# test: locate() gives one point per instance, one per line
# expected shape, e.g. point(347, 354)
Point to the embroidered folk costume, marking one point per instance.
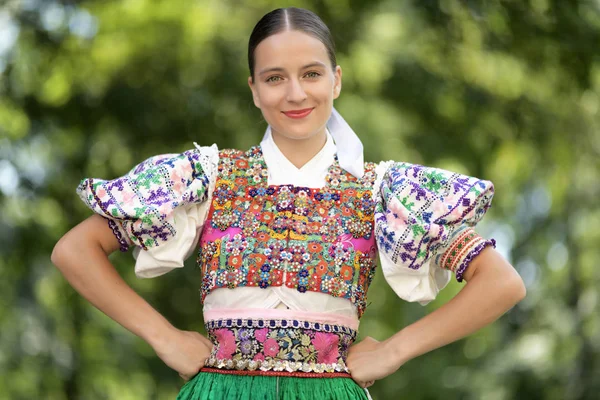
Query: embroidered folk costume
point(287, 255)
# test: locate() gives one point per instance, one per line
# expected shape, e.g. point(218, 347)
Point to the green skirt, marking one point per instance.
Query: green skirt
point(215, 386)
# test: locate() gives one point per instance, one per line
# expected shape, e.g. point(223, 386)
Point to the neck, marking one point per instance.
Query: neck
point(300, 151)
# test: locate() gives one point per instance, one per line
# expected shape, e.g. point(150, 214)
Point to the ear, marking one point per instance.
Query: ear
point(337, 86)
point(254, 94)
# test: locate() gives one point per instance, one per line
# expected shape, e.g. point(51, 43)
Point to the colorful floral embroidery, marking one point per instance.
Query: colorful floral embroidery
point(418, 210)
point(142, 201)
point(278, 345)
point(306, 239)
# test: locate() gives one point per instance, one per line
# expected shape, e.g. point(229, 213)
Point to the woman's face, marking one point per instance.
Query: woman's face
point(294, 84)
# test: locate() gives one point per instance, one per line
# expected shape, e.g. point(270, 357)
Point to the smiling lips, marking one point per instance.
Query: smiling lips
point(297, 114)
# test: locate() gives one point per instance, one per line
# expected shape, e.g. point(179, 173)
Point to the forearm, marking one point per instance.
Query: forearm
point(85, 265)
point(493, 288)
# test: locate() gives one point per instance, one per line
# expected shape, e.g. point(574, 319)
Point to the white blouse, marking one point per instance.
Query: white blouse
point(162, 259)
point(420, 213)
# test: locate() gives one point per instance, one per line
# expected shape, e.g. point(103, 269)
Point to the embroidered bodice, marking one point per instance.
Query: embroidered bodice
point(306, 239)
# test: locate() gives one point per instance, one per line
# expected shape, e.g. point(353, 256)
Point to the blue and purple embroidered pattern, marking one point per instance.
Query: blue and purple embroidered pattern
point(143, 200)
point(418, 209)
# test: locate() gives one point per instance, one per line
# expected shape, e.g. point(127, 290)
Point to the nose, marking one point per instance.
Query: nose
point(295, 93)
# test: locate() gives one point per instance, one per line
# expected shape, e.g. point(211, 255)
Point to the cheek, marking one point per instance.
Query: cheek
point(323, 88)
point(324, 93)
point(270, 97)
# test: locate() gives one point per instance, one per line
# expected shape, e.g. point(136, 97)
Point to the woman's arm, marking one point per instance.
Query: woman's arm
point(493, 287)
point(82, 257)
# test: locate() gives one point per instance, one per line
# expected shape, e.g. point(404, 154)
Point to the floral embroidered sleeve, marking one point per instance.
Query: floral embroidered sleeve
point(424, 220)
point(159, 206)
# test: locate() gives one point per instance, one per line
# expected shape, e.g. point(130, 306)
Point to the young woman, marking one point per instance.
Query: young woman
point(288, 234)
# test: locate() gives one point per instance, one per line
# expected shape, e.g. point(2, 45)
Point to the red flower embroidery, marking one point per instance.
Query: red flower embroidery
point(242, 164)
point(346, 273)
point(271, 347)
point(263, 237)
point(321, 268)
point(235, 261)
point(315, 247)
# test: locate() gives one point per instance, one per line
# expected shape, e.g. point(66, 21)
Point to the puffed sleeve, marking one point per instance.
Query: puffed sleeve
point(159, 206)
point(424, 220)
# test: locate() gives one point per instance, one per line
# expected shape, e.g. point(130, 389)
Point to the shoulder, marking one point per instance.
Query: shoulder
point(397, 176)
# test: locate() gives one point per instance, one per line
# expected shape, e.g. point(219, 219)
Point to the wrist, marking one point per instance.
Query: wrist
point(161, 336)
point(396, 347)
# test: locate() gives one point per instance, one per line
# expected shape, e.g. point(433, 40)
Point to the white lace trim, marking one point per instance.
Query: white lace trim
point(380, 171)
point(209, 159)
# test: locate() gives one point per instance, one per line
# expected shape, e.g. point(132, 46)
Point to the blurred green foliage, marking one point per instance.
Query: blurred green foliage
point(504, 90)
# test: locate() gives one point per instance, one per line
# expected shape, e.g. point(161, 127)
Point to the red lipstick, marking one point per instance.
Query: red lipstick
point(297, 114)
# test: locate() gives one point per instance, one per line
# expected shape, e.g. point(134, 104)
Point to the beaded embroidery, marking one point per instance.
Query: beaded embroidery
point(279, 345)
point(306, 239)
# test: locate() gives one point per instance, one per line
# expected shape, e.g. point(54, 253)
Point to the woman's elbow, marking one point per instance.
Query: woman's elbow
point(513, 288)
point(60, 253)
point(91, 234)
point(518, 289)
point(68, 248)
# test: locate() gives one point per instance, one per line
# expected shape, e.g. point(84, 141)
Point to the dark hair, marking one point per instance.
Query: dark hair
point(293, 19)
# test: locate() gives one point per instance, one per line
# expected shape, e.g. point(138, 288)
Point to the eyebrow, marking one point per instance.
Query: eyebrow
point(279, 69)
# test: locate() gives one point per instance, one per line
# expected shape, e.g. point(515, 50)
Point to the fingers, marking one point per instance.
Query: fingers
point(362, 384)
point(367, 344)
point(366, 384)
point(187, 377)
point(205, 340)
point(184, 377)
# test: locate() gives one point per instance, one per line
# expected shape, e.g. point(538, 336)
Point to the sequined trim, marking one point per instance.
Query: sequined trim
point(277, 366)
point(279, 345)
point(124, 246)
point(297, 374)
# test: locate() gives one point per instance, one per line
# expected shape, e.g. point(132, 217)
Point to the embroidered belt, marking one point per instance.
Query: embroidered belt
point(279, 347)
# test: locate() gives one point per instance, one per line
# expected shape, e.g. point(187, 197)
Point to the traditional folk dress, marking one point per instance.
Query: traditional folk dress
point(287, 254)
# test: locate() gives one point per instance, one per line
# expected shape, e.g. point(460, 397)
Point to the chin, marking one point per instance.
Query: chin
point(298, 132)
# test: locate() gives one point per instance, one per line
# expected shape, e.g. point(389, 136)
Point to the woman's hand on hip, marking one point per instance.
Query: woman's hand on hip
point(370, 360)
point(184, 351)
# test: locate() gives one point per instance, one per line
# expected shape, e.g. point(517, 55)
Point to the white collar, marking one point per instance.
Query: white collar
point(283, 172)
point(348, 146)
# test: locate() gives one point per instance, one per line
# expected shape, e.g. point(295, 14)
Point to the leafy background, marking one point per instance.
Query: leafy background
point(504, 90)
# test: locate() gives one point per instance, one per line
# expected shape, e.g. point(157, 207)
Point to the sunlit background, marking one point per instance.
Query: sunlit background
point(504, 90)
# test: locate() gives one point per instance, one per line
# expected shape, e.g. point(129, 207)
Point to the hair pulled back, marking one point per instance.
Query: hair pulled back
point(290, 19)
